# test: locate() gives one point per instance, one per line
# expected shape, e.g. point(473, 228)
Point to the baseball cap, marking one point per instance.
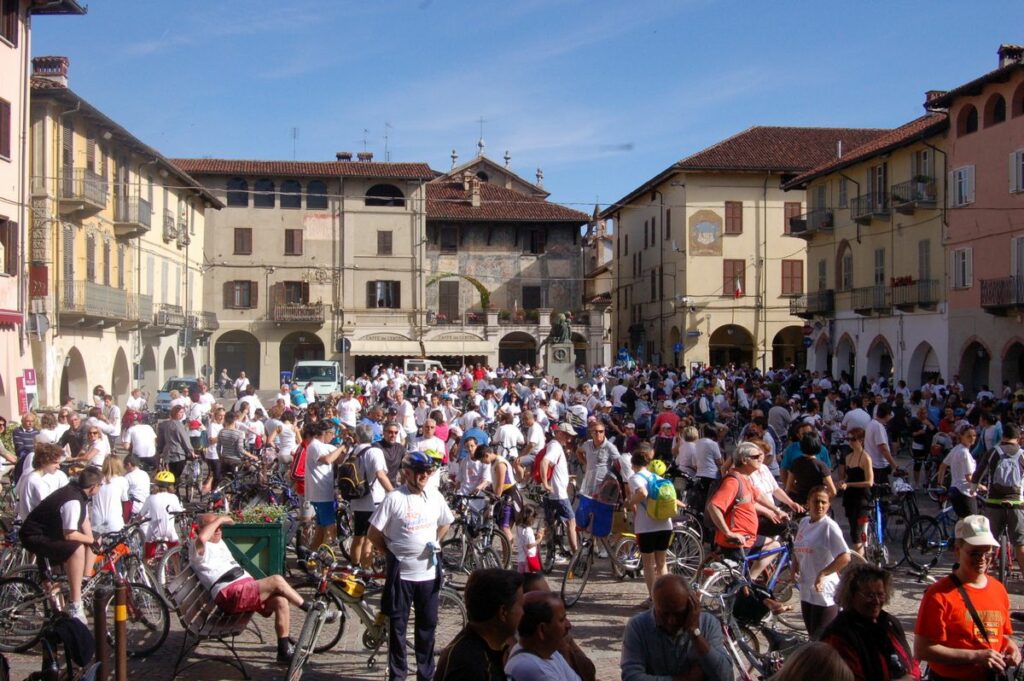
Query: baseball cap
point(565, 428)
point(975, 530)
point(666, 426)
point(606, 403)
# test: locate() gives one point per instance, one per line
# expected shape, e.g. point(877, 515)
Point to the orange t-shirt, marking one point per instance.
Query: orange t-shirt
point(944, 618)
point(737, 505)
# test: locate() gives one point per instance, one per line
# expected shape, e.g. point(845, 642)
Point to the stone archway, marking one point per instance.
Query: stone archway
point(238, 351)
point(822, 356)
point(846, 358)
point(788, 348)
point(150, 377)
point(975, 363)
point(74, 381)
point(120, 378)
point(517, 347)
point(188, 363)
point(170, 364)
point(924, 364)
point(880, 359)
point(731, 344)
point(1013, 364)
point(297, 347)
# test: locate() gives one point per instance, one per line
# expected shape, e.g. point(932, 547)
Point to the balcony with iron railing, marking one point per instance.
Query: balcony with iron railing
point(810, 223)
point(305, 313)
point(867, 207)
point(468, 318)
point(140, 309)
point(83, 190)
point(133, 216)
point(869, 299)
point(919, 192)
point(88, 301)
point(208, 321)
point(908, 293)
point(999, 296)
point(169, 316)
point(813, 304)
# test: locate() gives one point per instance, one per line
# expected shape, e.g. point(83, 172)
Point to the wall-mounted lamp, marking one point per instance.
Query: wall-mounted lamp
point(107, 135)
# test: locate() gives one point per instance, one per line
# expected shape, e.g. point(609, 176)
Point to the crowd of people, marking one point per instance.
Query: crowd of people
point(759, 452)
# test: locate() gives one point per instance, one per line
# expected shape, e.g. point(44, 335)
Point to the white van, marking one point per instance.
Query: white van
point(325, 375)
point(419, 367)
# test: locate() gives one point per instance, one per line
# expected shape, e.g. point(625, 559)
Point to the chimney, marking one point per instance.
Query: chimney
point(54, 69)
point(933, 94)
point(474, 192)
point(365, 156)
point(343, 155)
point(1010, 54)
point(839, 148)
point(466, 175)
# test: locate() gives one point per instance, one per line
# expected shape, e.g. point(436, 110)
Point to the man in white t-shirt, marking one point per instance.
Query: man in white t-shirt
point(856, 417)
point(876, 444)
point(349, 408)
point(408, 527)
point(542, 630)
point(556, 503)
point(142, 443)
point(430, 441)
point(375, 470)
point(241, 384)
point(286, 395)
point(136, 402)
point(406, 413)
point(320, 458)
point(204, 401)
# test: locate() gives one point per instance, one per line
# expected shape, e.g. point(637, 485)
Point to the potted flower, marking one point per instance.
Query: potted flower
point(257, 539)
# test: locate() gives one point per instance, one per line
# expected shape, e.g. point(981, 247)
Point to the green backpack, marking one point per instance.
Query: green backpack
point(661, 497)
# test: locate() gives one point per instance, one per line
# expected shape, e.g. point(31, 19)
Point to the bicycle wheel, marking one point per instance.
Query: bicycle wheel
point(174, 560)
point(576, 574)
point(548, 549)
point(23, 614)
point(451, 618)
point(713, 586)
point(1004, 557)
point(149, 620)
point(499, 543)
point(453, 554)
point(334, 622)
point(307, 639)
point(685, 553)
point(488, 559)
point(923, 543)
point(627, 556)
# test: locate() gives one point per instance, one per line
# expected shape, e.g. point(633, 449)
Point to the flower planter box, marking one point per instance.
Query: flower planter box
point(258, 547)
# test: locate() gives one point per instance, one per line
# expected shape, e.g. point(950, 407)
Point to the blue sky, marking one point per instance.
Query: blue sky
point(601, 95)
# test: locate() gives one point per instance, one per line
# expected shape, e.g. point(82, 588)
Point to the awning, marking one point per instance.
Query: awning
point(11, 317)
point(389, 348)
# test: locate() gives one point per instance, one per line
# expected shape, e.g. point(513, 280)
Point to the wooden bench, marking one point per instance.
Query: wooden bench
point(203, 620)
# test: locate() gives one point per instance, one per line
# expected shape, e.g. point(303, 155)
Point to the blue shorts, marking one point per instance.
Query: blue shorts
point(557, 509)
point(326, 512)
point(591, 511)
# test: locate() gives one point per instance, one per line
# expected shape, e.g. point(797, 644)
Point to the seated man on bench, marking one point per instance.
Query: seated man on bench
point(235, 590)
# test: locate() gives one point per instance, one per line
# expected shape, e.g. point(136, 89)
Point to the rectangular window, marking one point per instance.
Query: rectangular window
point(90, 150)
point(448, 300)
point(9, 245)
point(846, 280)
point(384, 242)
point(9, 16)
point(734, 217)
point(963, 267)
point(90, 258)
point(654, 230)
point(879, 267)
point(293, 242)
point(661, 282)
point(243, 241)
point(626, 246)
point(668, 224)
point(5, 128)
point(536, 241)
point(449, 239)
point(384, 294)
point(1017, 256)
point(820, 200)
point(532, 297)
point(734, 278)
point(645, 233)
point(922, 166)
point(792, 277)
point(1017, 171)
point(294, 292)
point(791, 209)
point(106, 263)
point(654, 285)
point(822, 274)
point(924, 260)
point(844, 193)
point(962, 181)
point(240, 295)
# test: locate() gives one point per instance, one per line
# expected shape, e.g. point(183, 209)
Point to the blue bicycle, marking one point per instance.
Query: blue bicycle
point(884, 521)
point(927, 538)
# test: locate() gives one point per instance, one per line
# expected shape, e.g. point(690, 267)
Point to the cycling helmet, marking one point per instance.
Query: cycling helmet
point(434, 454)
point(165, 477)
point(418, 461)
point(657, 466)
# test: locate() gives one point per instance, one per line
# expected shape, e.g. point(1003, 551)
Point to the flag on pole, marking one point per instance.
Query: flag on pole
point(738, 291)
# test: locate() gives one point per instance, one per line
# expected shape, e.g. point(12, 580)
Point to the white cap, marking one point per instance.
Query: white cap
point(975, 530)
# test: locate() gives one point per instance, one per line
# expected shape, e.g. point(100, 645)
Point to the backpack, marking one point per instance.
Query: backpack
point(351, 476)
point(537, 460)
point(610, 490)
point(299, 468)
point(1007, 477)
point(661, 497)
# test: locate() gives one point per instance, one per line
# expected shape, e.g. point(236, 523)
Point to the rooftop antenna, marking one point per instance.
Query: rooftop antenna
point(295, 136)
point(366, 133)
point(508, 158)
point(387, 151)
point(455, 157)
point(480, 142)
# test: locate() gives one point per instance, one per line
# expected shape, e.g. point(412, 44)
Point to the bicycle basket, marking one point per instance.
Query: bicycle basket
point(749, 606)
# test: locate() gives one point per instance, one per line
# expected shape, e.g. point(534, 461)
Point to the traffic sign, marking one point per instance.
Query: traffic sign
point(678, 347)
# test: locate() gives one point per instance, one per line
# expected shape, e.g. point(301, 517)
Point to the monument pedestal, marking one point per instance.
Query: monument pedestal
point(560, 362)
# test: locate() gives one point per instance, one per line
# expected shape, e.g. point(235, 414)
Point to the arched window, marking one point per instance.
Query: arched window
point(1017, 102)
point(291, 194)
point(238, 192)
point(844, 267)
point(483, 176)
point(995, 110)
point(967, 121)
point(316, 195)
point(384, 195)
point(264, 190)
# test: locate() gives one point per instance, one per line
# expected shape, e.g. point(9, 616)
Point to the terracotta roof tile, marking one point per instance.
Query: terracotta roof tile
point(368, 169)
point(449, 201)
point(778, 149)
point(973, 87)
point(925, 126)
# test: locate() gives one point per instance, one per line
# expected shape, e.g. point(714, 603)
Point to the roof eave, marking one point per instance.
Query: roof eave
point(968, 88)
point(42, 7)
point(484, 218)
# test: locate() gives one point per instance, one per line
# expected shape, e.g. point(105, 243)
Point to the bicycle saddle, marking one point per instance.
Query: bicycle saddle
point(778, 640)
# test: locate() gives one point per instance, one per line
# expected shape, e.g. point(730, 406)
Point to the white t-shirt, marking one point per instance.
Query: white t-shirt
point(524, 537)
point(961, 467)
point(213, 432)
point(763, 481)
point(138, 488)
point(641, 521)
point(560, 477)
point(508, 440)
point(708, 456)
point(348, 411)
point(136, 403)
point(102, 446)
point(875, 436)
point(816, 546)
point(535, 435)
point(107, 513)
point(142, 439)
point(687, 457)
point(433, 442)
point(524, 666)
point(158, 508)
point(408, 522)
point(856, 418)
point(372, 460)
point(35, 486)
point(319, 476)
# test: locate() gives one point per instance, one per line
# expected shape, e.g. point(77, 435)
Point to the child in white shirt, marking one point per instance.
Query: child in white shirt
point(527, 541)
point(138, 482)
point(159, 507)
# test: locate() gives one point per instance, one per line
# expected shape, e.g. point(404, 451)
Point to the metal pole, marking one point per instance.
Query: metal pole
point(121, 631)
point(99, 619)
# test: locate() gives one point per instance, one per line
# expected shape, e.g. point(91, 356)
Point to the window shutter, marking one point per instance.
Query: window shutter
point(1014, 165)
point(229, 295)
point(5, 129)
point(305, 292)
point(968, 267)
point(970, 184)
point(277, 292)
point(254, 294)
point(397, 302)
point(1014, 246)
point(951, 189)
point(371, 299)
point(668, 224)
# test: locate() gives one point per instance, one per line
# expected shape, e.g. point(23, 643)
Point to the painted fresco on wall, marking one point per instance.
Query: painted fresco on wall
point(705, 233)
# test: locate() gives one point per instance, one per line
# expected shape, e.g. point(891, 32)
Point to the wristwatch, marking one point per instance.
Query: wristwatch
point(696, 633)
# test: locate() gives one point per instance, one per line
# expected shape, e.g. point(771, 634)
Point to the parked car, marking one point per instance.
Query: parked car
point(179, 383)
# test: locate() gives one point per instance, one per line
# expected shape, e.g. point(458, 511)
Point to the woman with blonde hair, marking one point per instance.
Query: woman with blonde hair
point(814, 660)
point(108, 506)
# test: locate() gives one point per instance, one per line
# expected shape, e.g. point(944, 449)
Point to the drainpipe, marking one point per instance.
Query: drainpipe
point(23, 231)
point(945, 163)
point(58, 293)
point(844, 175)
point(761, 285)
point(337, 284)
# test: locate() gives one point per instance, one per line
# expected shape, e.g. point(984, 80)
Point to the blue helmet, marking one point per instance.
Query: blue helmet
point(418, 461)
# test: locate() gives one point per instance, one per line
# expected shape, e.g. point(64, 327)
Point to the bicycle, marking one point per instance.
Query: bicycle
point(927, 538)
point(473, 533)
point(623, 559)
point(876, 551)
point(339, 590)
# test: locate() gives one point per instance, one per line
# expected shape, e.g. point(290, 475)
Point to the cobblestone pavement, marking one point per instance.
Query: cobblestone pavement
point(598, 621)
